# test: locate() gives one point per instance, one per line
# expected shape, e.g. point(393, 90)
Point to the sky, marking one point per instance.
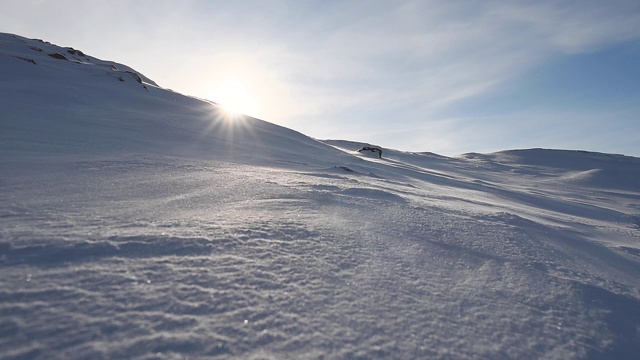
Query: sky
point(441, 76)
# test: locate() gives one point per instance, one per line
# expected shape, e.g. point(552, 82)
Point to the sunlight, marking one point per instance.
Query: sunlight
point(234, 96)
point(237, 84)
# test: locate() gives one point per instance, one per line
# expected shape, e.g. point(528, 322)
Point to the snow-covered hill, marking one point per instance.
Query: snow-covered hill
point(136, 222)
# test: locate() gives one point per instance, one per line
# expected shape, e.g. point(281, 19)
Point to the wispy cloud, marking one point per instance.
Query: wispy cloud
point(423, 55)
point(419, 57)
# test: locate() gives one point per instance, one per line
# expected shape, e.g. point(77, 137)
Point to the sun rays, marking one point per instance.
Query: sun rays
point(237, 90)
point(235, 97)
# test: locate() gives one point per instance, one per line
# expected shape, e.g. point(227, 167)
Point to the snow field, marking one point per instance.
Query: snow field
point(139, 223)
point(309, 259)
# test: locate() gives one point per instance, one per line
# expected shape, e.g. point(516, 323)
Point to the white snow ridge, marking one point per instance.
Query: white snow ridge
point(138, 223)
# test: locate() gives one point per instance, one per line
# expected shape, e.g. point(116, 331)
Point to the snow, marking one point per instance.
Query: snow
point(140, 223)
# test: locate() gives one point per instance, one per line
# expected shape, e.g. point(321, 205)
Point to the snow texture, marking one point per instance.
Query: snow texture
point(139, 223)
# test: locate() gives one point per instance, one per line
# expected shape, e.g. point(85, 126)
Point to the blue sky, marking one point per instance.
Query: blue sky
point(440, 76)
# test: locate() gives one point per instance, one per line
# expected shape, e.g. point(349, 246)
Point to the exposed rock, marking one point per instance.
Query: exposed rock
point(372, 149)
point(58, 56)
point(73, 51)
point(120, 75)
point(110, 66)
point(344, 168)
point(135, 76)
point(25, 59)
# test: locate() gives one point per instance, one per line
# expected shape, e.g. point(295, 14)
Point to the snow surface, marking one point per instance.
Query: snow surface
point(140, 223)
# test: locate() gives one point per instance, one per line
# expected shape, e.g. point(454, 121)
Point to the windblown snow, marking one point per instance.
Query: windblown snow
point(139, 223)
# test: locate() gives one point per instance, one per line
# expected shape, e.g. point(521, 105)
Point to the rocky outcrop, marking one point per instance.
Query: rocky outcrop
point(58, 56)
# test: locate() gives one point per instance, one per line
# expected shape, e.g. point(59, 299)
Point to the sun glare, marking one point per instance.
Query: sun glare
point(235, 97)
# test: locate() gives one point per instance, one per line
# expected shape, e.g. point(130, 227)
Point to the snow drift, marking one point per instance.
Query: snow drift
point(140, 223)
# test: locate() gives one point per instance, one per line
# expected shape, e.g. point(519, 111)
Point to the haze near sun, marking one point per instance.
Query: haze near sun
point(235, 96)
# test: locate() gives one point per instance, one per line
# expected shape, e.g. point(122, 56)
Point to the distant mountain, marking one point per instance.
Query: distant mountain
point(572, 166)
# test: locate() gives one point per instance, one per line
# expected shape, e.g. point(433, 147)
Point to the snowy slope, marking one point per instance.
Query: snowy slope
point(99, 107)
point(136, 222)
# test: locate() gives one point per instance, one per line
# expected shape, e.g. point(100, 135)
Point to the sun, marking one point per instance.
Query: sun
point(235, 96)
